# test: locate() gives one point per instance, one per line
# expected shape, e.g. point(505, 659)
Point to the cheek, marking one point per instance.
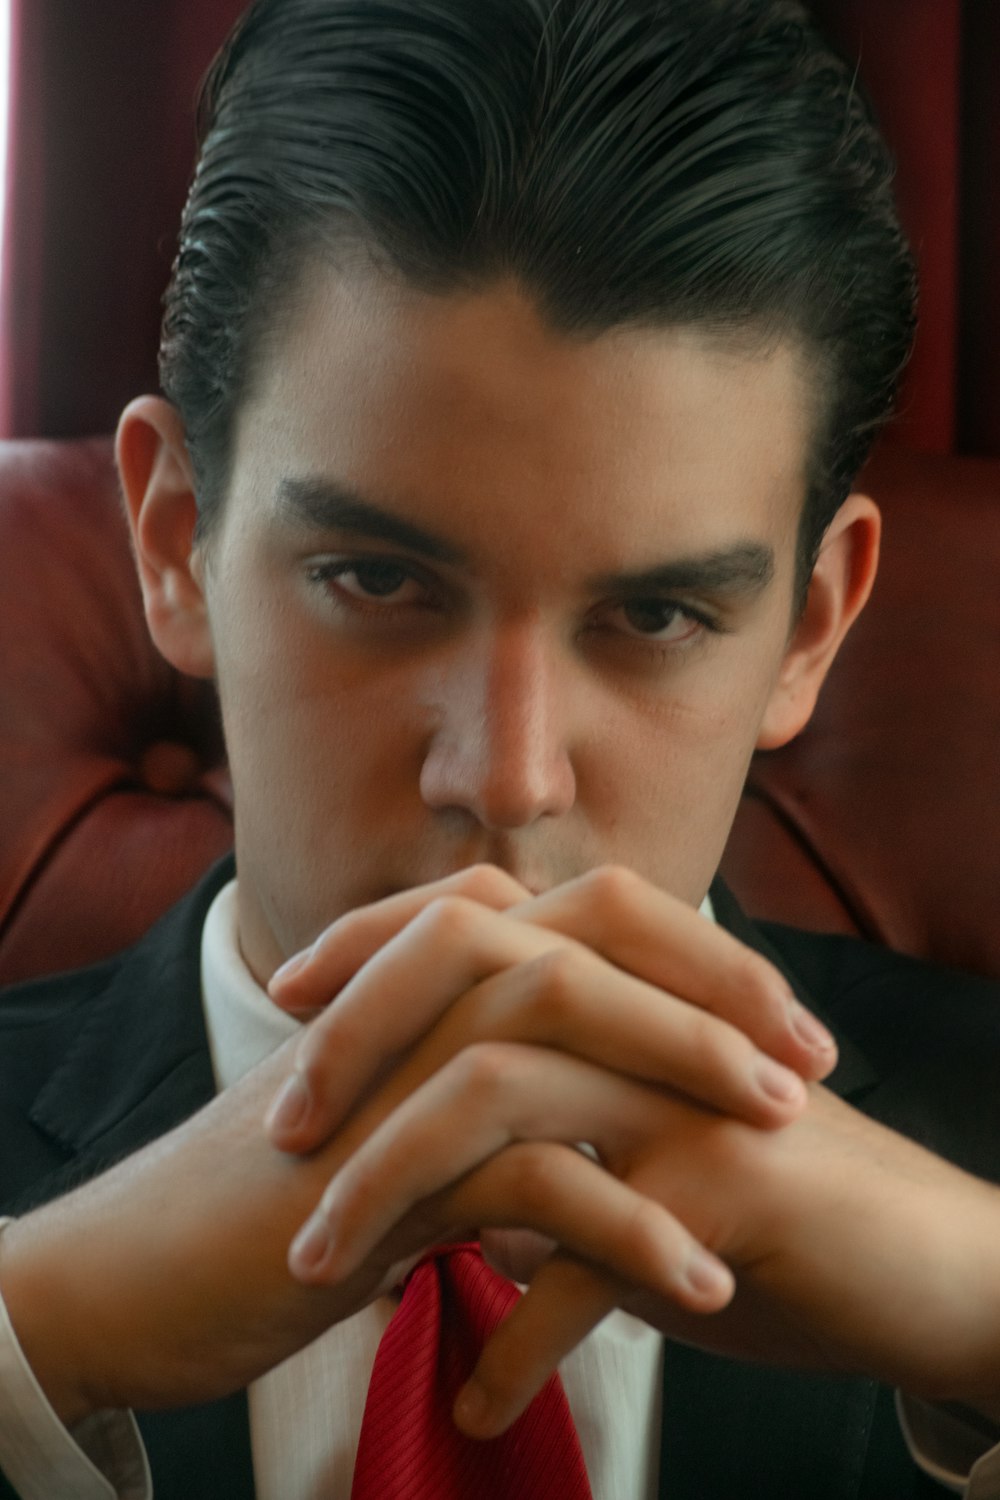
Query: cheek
point(320, 756)
point(312, 738)
point(311, 731)
point(666, 784)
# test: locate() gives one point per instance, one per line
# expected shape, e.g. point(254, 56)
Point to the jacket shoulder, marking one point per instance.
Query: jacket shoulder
point(83, 1051)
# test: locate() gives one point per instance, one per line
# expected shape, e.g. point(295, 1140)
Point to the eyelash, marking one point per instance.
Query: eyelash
point(325, 573)
point(699, 620)
point(322, 574)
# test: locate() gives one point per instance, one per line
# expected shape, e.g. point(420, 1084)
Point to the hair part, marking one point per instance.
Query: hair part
point(706, 163)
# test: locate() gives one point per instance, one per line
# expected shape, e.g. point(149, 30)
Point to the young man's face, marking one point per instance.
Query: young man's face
point(481, 591)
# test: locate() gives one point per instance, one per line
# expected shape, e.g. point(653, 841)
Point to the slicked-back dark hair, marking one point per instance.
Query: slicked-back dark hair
point(648, 162)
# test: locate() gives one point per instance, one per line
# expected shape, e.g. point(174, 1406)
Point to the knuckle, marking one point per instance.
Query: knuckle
point(313, 1073)
point(486, 884)
point(612, 889)
point(311, 1053)
point(346, 1199)
point(448, 920)
point(344, 930)
point(715, 1047)
point(535, 1176)
point(739, 1153)
point(333, 1033)
point(555, 984)
point(486, 1071)
point(749, 971)
point(650, 1235)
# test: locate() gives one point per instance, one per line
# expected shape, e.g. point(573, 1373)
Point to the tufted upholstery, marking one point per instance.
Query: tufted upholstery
point(112, 790)
point(883, 818)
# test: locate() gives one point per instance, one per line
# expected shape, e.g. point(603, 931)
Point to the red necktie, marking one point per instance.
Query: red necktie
point(410, 1449)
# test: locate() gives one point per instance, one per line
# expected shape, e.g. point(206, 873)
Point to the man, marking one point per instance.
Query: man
point(518, 359)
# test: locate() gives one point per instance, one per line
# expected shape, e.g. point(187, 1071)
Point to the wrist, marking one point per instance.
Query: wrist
point(963, 1376)
point(35, 1308)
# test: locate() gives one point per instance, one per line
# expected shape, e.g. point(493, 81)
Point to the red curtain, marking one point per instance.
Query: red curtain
point(909, 55)
point(21, 282)
point(102, 145)
point(931, 66)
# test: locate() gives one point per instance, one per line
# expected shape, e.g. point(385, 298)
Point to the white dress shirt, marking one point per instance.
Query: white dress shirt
point(305, 1415)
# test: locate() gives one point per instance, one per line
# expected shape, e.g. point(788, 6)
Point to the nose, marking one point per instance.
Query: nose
point(500, 750)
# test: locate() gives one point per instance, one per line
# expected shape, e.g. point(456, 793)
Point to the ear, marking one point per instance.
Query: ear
point(158, 482)
point(838, 590)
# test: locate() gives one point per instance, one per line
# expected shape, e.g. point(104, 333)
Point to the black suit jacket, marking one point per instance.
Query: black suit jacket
point(95, 1064)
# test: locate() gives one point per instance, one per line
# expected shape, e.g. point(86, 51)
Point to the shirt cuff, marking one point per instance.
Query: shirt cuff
point(102, 1458)
point(959, 1455)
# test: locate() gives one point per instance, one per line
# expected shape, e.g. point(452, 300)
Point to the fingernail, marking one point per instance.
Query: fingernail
point(471, 1410)
point(812, 1033)
point(706, 1275)
point(778, 1082)
point(311, 1245)
point(290, 1105)
point(289, 967)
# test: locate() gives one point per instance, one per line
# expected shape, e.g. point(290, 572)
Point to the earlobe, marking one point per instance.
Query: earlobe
point(158, 483)
point(838, 590)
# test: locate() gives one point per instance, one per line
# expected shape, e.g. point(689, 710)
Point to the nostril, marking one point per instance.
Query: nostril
point(169, 767)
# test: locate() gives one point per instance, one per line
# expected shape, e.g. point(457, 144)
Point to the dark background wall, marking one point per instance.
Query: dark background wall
point(103, 143)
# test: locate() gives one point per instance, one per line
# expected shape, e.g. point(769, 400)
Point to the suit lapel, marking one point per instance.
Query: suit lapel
point(137, 1063)
point(854, 1073)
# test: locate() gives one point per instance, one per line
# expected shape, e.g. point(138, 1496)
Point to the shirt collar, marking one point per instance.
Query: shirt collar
point(244, 1025)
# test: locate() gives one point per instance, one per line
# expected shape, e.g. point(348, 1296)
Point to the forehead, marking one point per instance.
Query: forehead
point(469, 409)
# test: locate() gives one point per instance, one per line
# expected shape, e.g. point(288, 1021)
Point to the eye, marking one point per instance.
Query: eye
point(660, 621)
point(371, 581)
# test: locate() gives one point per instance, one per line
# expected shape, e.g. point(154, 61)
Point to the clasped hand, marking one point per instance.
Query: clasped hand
point(472, 1036)
point(476, 1035)
point(465, 1039)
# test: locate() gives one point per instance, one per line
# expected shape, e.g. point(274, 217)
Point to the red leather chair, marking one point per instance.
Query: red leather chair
point(114, 793)
point(882, 819)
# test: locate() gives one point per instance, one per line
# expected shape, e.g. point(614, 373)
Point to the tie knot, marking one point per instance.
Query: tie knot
point(448, 1250)
point(409, 1447)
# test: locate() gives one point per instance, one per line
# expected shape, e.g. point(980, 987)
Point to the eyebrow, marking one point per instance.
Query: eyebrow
point(743, 569)
point(328, 506)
